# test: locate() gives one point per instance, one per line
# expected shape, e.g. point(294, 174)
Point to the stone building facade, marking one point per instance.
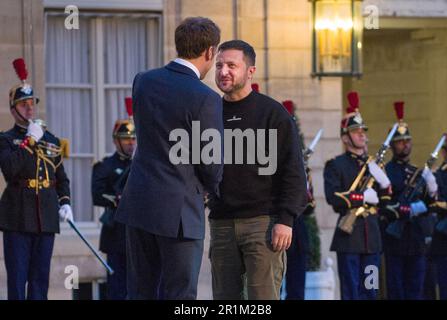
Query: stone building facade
point(403, 60)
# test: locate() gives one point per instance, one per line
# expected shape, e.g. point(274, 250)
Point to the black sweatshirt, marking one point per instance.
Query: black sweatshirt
point(244, 193)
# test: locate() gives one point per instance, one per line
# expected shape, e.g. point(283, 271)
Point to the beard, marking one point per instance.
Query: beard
point(402, 154)
point(238, 85)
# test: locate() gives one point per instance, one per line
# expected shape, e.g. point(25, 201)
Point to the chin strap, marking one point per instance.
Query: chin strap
point(20, 115)
point(352, 142)
point(121, 151)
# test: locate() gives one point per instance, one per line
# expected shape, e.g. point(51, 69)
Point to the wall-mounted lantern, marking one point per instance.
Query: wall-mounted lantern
point(337, 29)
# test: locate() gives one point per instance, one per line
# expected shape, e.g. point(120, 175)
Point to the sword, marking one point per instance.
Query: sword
point(383, 149)
point(308, 152)
point(109, 269)
point(435, 153)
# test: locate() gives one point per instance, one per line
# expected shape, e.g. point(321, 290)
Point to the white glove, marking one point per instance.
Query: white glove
point(65, 213)
point(430, 179)
point(417, 208)
point(34, 130)
point(379, 175)
point(370, 196)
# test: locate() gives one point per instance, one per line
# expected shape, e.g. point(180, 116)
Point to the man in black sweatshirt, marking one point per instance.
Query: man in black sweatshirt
point(263, 187)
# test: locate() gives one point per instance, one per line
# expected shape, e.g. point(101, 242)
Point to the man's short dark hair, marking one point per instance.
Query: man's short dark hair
point(248, 51)
point(195, 35)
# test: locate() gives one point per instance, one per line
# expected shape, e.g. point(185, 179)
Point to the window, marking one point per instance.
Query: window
point(89, 71)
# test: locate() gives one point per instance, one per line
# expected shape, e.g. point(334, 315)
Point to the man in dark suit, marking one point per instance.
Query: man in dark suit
point(162, 203)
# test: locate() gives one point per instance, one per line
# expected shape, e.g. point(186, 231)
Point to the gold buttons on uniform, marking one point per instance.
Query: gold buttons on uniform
point(31, 183)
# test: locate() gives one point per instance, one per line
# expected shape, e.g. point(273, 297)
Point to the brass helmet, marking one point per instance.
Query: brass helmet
point(352, 119)
point(125, 128)
point(402, 132)
point(22, 91)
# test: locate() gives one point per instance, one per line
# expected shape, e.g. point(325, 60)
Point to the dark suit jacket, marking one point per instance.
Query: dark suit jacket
point(161, 197)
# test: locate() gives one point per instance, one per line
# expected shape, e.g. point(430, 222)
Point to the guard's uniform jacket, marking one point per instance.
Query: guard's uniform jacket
point(439, 243)
point(415, 229)
point(36, 183)
point(339, 174)
point(107, 185)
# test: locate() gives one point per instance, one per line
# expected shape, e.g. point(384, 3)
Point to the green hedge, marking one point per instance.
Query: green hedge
point(314, 254)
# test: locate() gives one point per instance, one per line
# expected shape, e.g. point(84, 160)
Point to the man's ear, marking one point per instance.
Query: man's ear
point(251, 72)
point(209, 54)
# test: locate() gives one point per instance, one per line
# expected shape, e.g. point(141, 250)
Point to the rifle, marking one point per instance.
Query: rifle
point(413, 188)
point(307, 153)
point(346, 223)
point(310, 150)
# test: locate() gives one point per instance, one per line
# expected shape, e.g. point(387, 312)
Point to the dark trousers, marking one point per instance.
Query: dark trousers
point(441, 270)
point(296, 262)
point(352, 272)
point(27, 261)
point(295, 275)
point(430, 280)
point(117, 283)
point(405, 277)
point(161, 267)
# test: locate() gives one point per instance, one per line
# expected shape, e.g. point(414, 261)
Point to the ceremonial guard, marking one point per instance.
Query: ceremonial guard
point(299, 248)
point(407, 229)
point(108, 179)
point(354, 187)
point(439, 243)
point(37, 194)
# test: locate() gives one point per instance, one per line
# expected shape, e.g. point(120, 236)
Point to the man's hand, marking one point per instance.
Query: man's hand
point(34, 130)
point(370, 196)
point(65, 213)
point(379, 175)
point(281, 237)
point(417, 208)
point(430, 180)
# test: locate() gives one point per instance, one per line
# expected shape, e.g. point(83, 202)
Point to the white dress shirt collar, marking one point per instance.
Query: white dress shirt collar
point(188, 64)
